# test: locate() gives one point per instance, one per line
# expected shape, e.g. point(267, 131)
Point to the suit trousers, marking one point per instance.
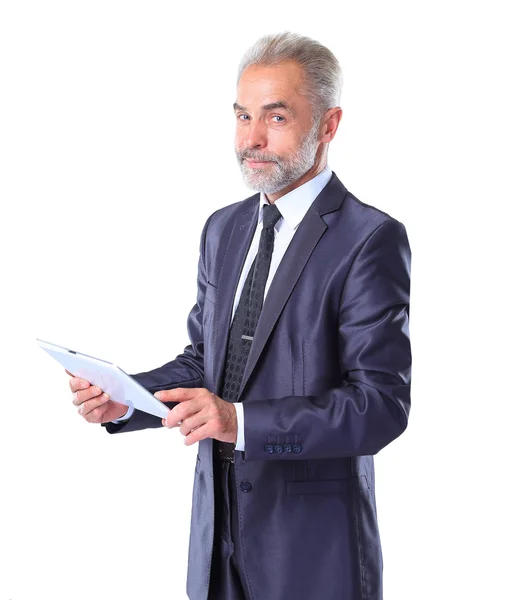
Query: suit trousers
point(227, 581)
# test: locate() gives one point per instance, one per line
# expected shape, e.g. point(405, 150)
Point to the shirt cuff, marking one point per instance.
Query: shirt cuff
point(240, 442)
point(127, 415)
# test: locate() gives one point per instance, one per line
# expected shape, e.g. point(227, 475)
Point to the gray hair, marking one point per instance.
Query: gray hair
point(322, 72)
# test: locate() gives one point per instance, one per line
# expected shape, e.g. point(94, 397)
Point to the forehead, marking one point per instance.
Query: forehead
point(261, 85)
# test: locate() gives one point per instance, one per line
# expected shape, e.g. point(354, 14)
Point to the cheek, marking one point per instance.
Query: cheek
point(239, 137)
point(283, 142)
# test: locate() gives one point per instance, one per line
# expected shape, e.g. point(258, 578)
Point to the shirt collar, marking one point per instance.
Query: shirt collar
point(294, 205)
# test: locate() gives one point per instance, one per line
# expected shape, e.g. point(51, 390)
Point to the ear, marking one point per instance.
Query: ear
point(331, 121)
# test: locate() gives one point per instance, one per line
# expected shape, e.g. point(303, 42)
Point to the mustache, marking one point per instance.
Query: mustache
point(242, 154)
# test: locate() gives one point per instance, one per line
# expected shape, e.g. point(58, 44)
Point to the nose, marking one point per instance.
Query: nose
point(255, 137)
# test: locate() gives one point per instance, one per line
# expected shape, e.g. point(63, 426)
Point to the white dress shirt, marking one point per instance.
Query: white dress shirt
point(293, 207)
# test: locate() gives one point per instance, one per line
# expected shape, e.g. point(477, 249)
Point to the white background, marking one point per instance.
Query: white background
point(116, 141)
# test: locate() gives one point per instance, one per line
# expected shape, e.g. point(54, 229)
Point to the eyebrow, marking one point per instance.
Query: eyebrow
point(270, 106)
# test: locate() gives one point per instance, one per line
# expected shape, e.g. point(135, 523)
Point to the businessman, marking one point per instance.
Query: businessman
point(299, 363)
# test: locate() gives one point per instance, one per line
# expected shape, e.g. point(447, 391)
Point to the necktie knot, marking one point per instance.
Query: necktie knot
point(270, 215)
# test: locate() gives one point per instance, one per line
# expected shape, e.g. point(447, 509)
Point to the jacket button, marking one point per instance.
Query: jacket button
point(287, 447)
point(245, 486)
point(279, 448)
point(269, 448)
point(297, 448)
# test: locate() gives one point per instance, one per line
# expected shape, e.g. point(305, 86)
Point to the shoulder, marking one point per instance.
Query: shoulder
point(379, 237)
point(350, 218)
point(369, 215)
point(360, 227)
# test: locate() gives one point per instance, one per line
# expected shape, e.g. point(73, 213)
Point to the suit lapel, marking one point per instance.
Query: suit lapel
point(308, 234)
point(291, 266)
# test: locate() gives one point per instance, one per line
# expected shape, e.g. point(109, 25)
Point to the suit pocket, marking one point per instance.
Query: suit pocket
point(328, 486)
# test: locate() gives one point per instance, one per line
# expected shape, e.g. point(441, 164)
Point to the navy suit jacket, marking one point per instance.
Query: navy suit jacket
point(326, 386)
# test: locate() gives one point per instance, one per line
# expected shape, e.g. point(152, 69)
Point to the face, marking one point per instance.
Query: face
point(275, 142)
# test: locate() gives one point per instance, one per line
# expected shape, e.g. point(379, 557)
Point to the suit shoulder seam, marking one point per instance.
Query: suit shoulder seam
point(375, 208)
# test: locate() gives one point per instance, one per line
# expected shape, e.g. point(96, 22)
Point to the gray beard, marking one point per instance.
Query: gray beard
point(283, 171)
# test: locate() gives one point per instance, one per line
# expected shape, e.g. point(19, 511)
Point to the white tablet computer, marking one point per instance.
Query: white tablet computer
point(109, 377)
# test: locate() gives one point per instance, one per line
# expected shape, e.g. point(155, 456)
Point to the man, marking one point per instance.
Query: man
point(298, 370)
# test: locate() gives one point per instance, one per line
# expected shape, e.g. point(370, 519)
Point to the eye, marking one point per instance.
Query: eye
point(243, 115)
point(279, 117)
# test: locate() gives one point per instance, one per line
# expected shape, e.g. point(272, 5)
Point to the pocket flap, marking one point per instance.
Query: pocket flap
point(329, 486)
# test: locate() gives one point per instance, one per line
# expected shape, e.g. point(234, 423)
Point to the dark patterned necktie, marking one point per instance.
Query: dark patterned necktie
point(246, 317)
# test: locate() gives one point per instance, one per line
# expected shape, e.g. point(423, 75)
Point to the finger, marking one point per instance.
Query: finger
point(84, 395)
point(173, 419)
point(182, 412)
point(96, 415)
point(176, 394)
point(192, 423)
point(188, 431)
point(76, 383)
point(201, 433)
point(89, 405)
point(166, 424)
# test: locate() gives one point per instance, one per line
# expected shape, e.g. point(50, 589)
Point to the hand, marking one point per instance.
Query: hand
point(201, 415)
point(94, 406)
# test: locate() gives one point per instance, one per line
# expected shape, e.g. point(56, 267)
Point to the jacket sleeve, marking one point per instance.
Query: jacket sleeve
point(186, 370)
point(371, 408)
